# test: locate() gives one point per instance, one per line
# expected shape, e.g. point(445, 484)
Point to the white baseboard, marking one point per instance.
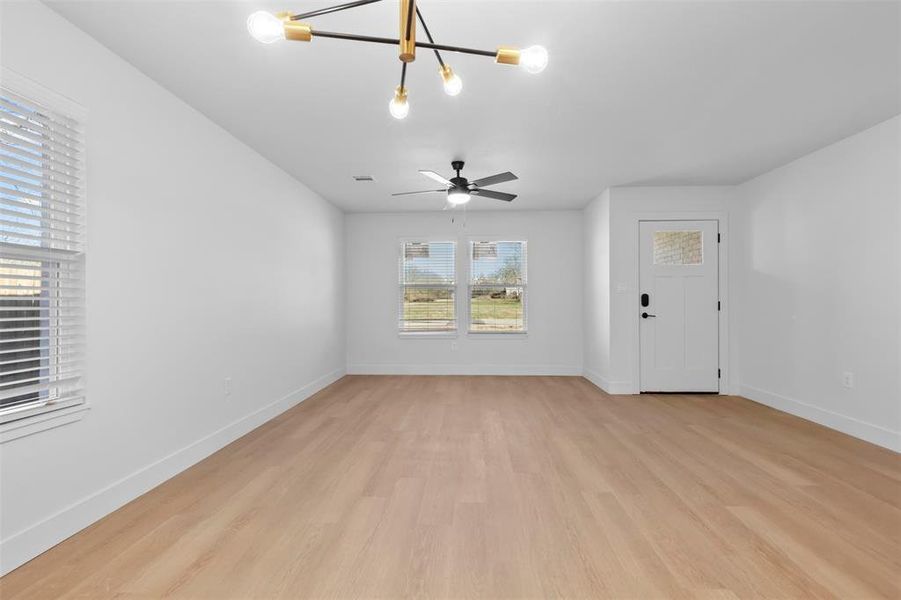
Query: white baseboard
point(448, 369)
point(874, 434)
point(21, 547)
point(611, 387)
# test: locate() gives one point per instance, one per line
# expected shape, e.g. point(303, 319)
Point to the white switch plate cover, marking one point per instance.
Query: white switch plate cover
point(848, 379)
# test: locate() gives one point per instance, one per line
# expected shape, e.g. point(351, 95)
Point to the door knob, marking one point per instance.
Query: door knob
point(645, 315)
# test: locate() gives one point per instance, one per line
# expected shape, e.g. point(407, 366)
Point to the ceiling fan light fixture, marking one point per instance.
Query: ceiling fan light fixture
point(453, 85)
point(399, 107)
point(457, 197)
point(266, 27)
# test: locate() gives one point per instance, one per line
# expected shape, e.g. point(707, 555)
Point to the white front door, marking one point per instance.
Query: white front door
point(678, 306)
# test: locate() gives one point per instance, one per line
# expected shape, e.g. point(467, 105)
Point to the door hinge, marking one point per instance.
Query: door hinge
point(719, 306)
point(718, 239)
point(719, 373)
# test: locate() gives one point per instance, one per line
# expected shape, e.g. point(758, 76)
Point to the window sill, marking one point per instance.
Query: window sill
point(427, 334)
point(48, 419)
point(498, 334)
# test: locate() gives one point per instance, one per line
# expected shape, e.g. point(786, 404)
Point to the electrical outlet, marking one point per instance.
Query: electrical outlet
point(227, 387)
point(848, 380)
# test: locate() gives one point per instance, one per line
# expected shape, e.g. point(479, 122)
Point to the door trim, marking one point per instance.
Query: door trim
point(635, 218)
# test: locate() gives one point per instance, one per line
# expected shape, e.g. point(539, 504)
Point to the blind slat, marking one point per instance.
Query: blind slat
point(32, 110)
point(8, 215)
point(42, 386)
point(44, 140)
point(29, 164)
point(10, 199)
point(42, 190)
point(38, 132)
point(29, 149)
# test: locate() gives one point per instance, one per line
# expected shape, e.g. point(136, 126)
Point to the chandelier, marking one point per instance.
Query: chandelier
point(269, 28)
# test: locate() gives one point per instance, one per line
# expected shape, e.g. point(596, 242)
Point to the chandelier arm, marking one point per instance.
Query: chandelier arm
point(428, 34)
point(331, 9)
point(354, 37)
point(382, 40)
point(460, 49)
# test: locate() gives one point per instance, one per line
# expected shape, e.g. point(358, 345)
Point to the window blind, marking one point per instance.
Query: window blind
point(497, 287)
point(426, 298)
point(41, 256)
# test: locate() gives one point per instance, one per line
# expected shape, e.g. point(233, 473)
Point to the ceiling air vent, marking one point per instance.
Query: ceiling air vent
point(363, 178)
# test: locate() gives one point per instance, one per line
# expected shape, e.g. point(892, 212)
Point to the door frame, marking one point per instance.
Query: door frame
point(722, 218)
point(712, 235)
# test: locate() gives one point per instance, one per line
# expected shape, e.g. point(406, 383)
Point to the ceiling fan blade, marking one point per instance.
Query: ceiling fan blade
point(419, 192)
point(437, 177)
point(492, 194)
point(494, 179)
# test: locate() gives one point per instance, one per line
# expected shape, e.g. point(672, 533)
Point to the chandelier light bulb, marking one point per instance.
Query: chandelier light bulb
point(533, 59)
point(453, 85)
point(457, 197)
point(265, 27)
point(399, 107)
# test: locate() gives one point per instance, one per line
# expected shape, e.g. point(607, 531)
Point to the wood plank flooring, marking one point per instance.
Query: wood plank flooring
point(503, 487)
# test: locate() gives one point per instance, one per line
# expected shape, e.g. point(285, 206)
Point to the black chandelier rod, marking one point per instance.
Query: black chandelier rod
point(403, 75)
point(428, 34)
point(382, 40)
point(331, 9)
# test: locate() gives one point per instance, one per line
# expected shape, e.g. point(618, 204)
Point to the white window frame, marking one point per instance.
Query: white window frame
point(401, 242)
point(469, 285)
point(27, 419)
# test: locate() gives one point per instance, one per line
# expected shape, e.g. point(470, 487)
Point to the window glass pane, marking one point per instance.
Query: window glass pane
point(429, 309)
point(24, 316)
point(678, 248)
point(427, 279)
point(497, 291)
point(496, 308)
point(428, 263)
point(498, 262)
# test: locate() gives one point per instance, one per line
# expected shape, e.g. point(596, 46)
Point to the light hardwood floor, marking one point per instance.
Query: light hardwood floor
point(503, 487)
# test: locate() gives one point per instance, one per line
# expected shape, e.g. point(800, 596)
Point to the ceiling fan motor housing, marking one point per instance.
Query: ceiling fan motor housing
point(460, 182)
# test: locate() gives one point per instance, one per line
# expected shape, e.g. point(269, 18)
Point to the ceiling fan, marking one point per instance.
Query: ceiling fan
point(459, 189)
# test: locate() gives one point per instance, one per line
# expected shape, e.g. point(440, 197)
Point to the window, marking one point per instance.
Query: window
point(41, 260)
point(427, 299)
point(677, 248)
point(497, 287)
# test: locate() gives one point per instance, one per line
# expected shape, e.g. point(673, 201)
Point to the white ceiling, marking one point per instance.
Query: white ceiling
point(650, 93)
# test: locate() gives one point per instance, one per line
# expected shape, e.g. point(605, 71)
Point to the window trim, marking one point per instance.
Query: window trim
point(525, 286)
point(455, 332)
point(16, 422)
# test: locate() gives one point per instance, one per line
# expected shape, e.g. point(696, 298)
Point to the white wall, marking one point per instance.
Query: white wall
point(596, 336)
point(204, 261)
point(816, 276)
point(554, 341)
